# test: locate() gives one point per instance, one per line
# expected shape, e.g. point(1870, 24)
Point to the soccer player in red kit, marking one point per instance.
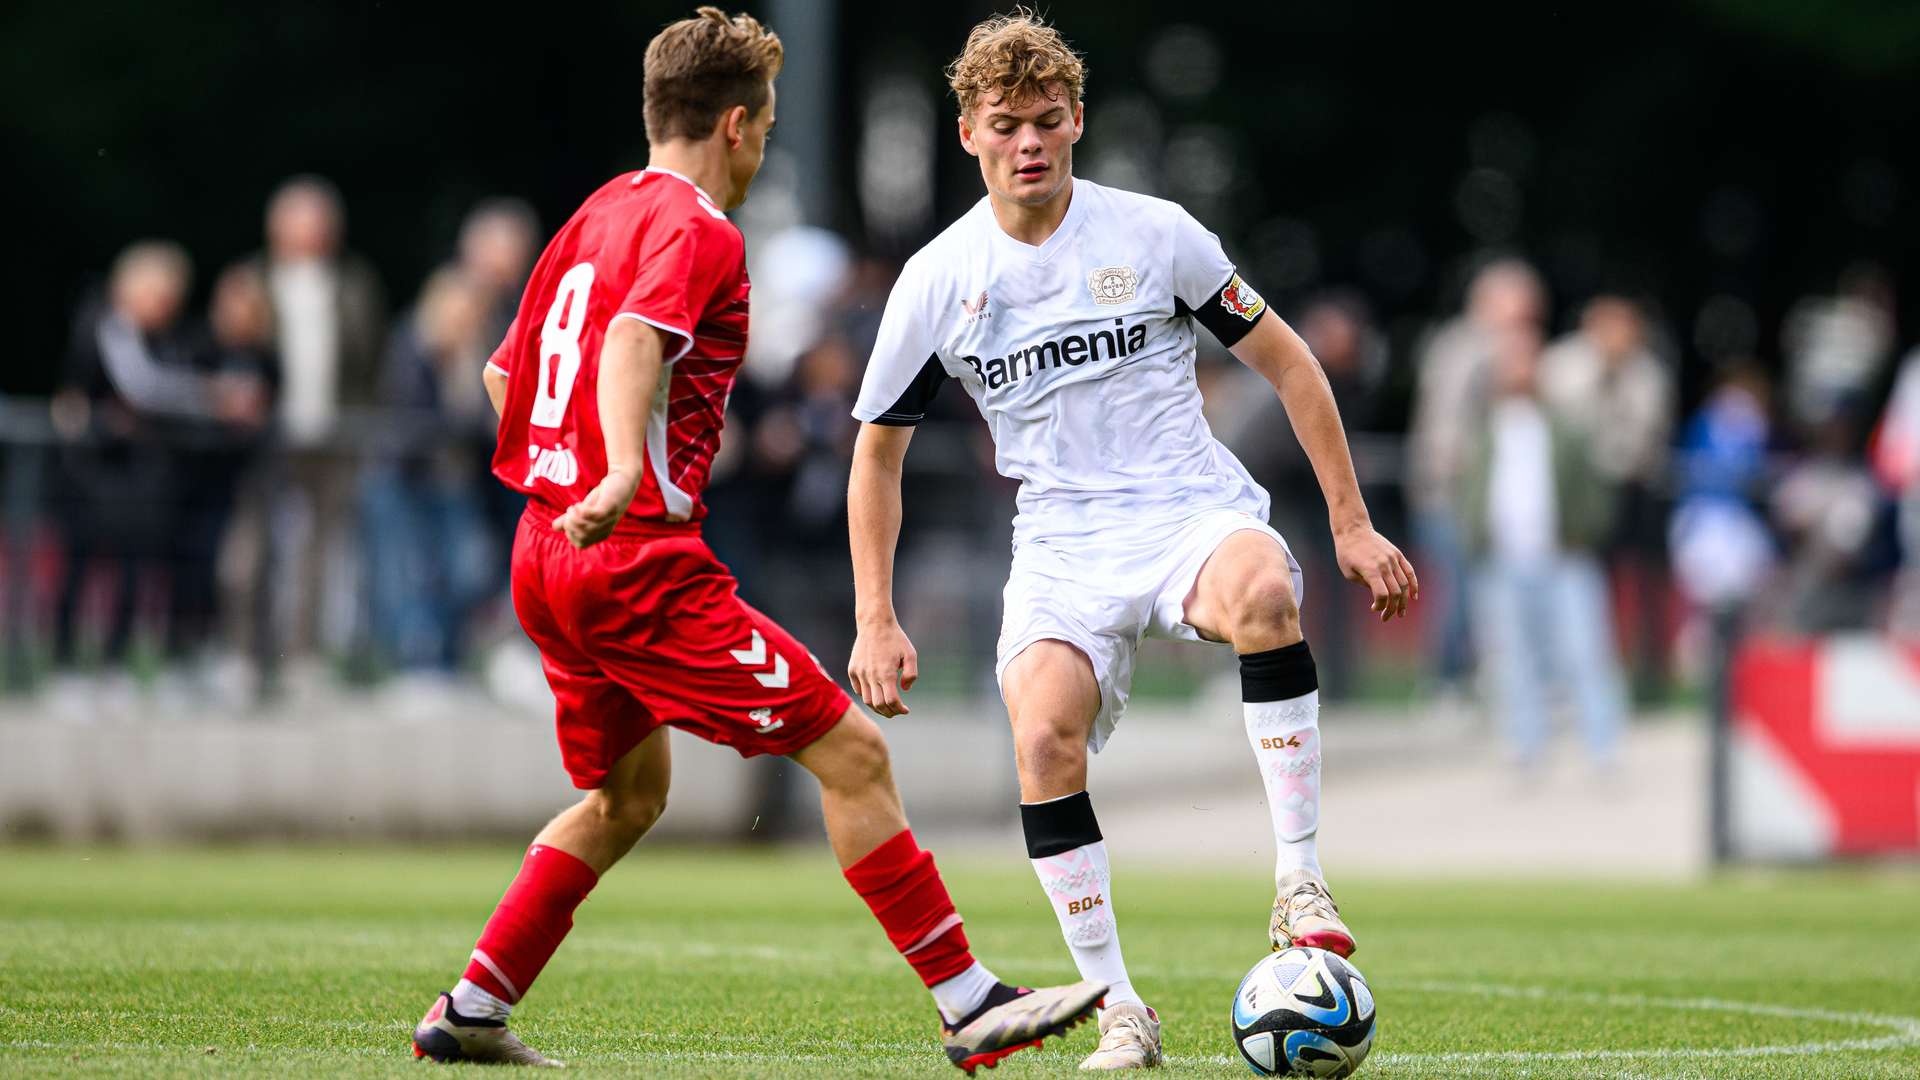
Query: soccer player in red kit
point(611, 387)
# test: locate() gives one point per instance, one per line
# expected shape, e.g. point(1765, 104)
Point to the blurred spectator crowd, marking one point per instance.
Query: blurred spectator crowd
point(299, 476)
point(292, 474)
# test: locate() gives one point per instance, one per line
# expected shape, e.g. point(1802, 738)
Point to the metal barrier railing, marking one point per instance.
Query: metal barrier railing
point(953, 494)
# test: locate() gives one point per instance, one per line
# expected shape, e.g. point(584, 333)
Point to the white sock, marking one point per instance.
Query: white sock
point(960, 995)
point(474, 1003)
point(1286, 745)
point(1080, 886)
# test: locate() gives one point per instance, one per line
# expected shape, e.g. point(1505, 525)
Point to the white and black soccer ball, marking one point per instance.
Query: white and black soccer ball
point(1303, 1012)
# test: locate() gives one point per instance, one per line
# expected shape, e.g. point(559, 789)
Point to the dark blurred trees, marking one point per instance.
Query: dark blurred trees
point(1679, 152)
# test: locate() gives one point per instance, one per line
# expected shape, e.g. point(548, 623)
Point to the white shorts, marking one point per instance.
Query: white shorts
point(1106, 598)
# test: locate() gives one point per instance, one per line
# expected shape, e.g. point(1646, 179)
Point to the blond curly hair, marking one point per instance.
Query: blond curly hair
point(698, 68)
point(1013, 59)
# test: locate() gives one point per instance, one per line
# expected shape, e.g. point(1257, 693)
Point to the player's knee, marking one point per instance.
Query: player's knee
point(628, 813)
point(1264, 604)
point(860, 758)
point(1046, 748)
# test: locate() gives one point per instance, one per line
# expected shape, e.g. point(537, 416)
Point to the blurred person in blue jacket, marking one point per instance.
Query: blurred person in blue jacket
point(1718, 538)
point(431, 558)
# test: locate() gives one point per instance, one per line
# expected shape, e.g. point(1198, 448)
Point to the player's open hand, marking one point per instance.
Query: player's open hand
point(1367, 558)
point(592, 519)
point(883, 667)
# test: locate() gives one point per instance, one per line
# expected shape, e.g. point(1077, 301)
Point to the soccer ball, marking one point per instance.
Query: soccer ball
point(1303, 1012)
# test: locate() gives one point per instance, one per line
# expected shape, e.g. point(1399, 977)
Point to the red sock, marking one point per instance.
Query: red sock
point(900, 883)
point(530, 922)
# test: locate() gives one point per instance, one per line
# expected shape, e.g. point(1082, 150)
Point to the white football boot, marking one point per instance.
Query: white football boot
point(1129, 1039)
point(444, 1035)
point(1015, 1018)
point(1304, 914)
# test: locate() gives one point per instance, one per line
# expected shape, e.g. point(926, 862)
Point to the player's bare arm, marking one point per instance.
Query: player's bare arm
point(883, 665)
point(630, 370)
point(1283, 359)
point(496, 383)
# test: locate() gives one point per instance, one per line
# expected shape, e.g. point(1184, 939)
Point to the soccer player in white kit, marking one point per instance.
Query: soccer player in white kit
point(1067, 311)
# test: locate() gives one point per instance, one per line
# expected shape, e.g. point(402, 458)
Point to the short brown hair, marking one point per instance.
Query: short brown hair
point(1012, 59)
point(698, 68)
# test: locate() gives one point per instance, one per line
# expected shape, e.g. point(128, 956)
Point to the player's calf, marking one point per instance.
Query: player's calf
point(608, 820)
point(1282, 709)
point(982, 1018)
point(561, 867)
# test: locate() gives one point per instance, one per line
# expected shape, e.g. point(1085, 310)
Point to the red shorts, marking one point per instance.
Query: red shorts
point(639, 631)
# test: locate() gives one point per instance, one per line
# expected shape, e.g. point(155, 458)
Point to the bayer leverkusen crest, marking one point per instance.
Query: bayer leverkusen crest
point(1112, 284)
point(1240, 299)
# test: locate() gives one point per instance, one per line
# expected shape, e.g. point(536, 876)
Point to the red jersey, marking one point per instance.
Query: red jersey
point(651, 246)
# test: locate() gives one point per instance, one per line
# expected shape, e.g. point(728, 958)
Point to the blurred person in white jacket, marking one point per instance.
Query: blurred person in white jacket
point(1838, 346)
point(1606, 378)
point(1455, 363)
point(329, 324)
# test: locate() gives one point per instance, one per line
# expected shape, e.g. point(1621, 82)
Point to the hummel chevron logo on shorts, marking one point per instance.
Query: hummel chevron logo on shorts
point(756, 654)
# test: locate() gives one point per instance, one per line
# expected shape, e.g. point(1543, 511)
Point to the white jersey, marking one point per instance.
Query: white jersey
point(1080, 354)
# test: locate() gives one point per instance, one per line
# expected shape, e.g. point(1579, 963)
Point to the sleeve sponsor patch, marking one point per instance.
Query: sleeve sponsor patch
point(1238, 298)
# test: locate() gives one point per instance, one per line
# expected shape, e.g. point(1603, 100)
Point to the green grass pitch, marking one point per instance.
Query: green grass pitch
point(752, 964)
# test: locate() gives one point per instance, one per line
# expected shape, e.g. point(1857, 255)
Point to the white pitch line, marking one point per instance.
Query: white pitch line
point(195, 1049)
point(1903, 1030)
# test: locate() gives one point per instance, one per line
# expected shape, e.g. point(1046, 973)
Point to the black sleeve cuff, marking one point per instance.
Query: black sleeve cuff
point(1230, 313)
point(911, 408)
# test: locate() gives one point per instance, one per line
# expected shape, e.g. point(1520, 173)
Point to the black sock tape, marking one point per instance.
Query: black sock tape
point(1059, 825)
point(1278, 674)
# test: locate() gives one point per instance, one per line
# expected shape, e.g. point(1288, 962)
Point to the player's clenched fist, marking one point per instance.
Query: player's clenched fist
point(592, 519)
point(883, 667)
